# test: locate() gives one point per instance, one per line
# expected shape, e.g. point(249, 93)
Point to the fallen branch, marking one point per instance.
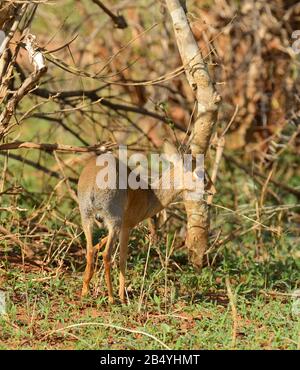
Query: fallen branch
point(111, 326)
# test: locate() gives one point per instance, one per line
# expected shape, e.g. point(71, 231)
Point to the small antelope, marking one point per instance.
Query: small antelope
point(121, 210)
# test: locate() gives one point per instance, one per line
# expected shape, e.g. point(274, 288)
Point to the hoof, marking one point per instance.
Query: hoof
point(111, 300)
point(84, 292)
point(122, 298)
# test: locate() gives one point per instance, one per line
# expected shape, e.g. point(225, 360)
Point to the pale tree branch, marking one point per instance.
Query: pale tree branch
point(207, 109)
point(99, 148)
point(37, 59)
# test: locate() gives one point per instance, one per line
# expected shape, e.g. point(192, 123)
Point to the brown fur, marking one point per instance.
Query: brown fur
point(121, 210)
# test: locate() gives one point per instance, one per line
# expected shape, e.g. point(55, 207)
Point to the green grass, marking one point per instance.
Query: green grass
point(181, 309)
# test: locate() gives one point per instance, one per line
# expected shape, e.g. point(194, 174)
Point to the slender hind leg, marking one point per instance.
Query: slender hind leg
point(90, 253)
point(113, 233)
point(101, 244)
point(124, 236)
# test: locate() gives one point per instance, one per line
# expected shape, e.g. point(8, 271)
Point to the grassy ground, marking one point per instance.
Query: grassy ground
point(172, 307)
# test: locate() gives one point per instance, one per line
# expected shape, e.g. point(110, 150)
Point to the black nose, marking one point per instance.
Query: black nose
point(98, 218)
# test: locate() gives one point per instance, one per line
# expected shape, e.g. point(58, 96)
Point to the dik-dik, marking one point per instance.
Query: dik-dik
point(121, 210)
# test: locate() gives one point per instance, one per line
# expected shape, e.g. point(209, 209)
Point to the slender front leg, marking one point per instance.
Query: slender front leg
point(124, 236)
point(90, 253)
point(107, 263)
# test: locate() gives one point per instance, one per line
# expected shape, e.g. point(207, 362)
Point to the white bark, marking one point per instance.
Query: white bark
point(207, 108)
point(2, 38)
point(198, 77)
point(35, 56)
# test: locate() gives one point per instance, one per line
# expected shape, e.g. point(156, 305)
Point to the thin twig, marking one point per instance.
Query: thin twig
point(98, 148)
point(119, 20)
point(144, 277)
point(25, 248)
point(249, 171)
point(83, 324)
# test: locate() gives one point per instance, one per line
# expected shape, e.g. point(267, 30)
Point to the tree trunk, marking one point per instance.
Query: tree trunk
point(207, 109)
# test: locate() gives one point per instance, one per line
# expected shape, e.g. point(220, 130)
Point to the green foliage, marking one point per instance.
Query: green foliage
point(190, 311)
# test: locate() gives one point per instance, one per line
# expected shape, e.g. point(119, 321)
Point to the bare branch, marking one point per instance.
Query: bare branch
point(99, 148)
point(36, 57)
point(119, 20)
point(37, 166)
point(92, 95)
